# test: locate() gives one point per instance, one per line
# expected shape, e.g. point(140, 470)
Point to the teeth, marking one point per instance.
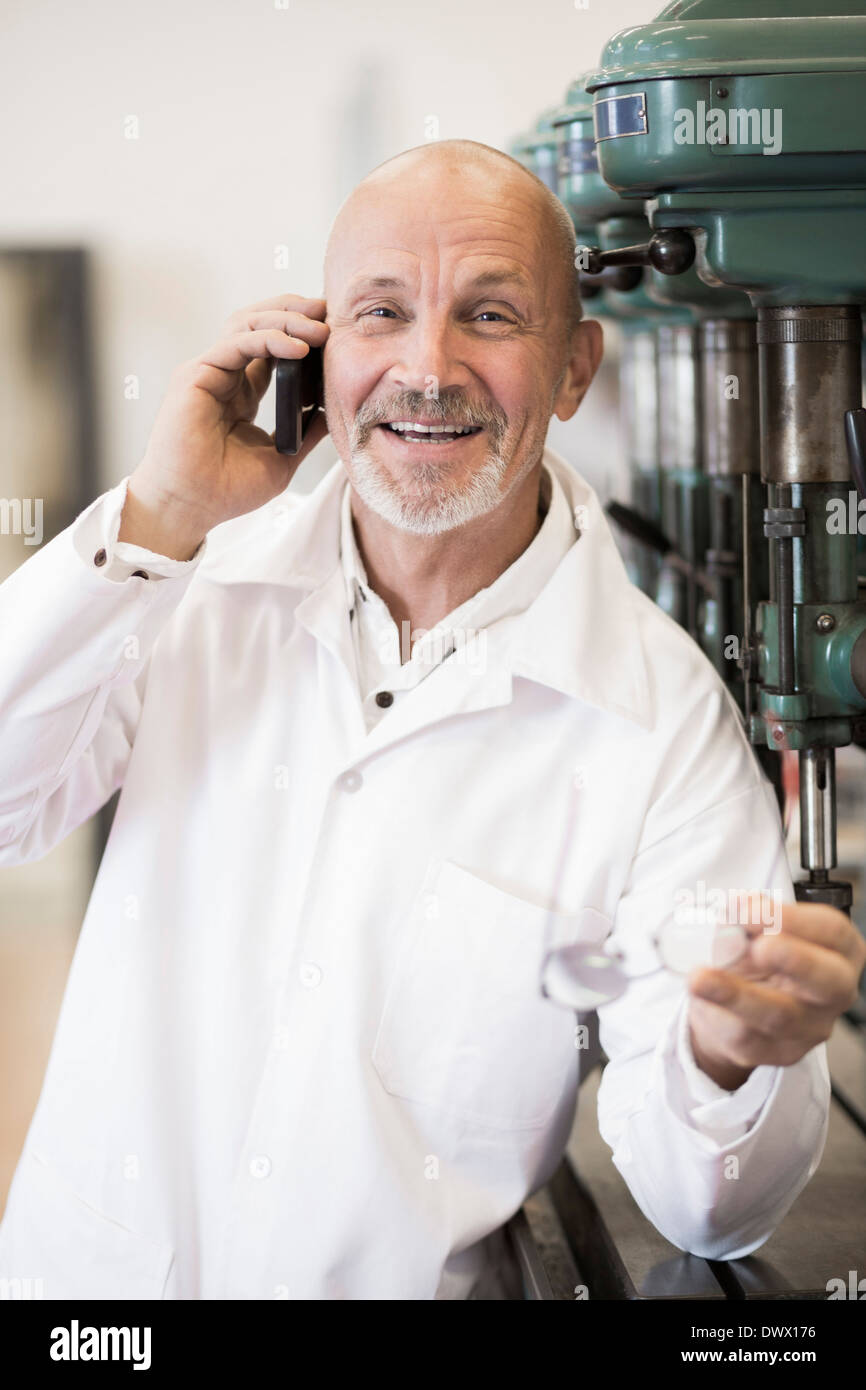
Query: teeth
point(430, 429)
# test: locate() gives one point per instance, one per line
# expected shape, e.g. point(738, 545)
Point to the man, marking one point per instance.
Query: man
point(381, 750)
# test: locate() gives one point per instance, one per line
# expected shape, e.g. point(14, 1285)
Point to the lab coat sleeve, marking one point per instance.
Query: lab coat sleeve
point(77, 639)
point(715, 1171)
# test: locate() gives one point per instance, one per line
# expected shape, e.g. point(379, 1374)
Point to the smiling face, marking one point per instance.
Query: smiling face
point(449, 339)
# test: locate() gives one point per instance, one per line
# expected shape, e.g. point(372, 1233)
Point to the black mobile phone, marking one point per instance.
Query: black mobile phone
point(300, 392)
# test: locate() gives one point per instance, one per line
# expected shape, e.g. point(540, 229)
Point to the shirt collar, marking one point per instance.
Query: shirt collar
point(511, 591)
point(354, 572)
point(581, 635)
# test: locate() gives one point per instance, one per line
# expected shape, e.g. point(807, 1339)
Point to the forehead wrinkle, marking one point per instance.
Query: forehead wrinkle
point(464, 284)
point(500, 240)
point(498, 275)
point(513, 257)
point(511, 233)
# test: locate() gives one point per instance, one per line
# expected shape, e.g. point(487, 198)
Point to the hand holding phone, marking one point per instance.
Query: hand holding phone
point(206, 460)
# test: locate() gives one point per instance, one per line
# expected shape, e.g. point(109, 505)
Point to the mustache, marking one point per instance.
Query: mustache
point(451, 405)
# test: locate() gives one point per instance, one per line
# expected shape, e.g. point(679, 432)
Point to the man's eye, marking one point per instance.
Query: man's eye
point(492, 316)
point(380, 309)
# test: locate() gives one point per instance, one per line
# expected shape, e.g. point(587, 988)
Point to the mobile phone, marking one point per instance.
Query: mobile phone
point(300, 392)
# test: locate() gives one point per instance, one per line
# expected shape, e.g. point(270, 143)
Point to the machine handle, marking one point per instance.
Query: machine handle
point(647, 533)
point(855, 438)
point(670, 251)
point(622, 278)
point(638, 527)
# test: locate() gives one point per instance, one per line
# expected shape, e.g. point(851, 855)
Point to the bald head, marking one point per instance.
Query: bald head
point(417, 174)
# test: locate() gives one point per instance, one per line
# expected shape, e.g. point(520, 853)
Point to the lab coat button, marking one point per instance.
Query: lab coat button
point(100, 557)
point(384, 699)
point(260, 1166)
point(310, 975)
point(350, 781)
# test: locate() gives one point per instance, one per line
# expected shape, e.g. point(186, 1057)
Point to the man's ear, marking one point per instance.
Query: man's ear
point(587, 345)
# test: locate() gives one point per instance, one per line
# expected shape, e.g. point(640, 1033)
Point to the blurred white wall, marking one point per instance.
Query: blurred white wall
point(253, 121)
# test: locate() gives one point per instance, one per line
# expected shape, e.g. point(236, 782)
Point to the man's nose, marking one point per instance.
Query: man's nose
point(430, 357)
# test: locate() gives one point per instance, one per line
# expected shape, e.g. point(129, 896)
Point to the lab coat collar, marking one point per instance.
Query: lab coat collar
point(580, 636)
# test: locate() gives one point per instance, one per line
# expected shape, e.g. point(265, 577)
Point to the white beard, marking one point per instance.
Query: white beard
point(437, 509)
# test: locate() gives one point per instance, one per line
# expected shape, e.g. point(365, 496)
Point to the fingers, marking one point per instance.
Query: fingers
point(816, 946)
point(286, 325)
point(819, 975)
point(298, 325)
point(259, 336)
point(740, 1042)
point(761, 1006)
point(233, 354)
point(259, 375)
point(825, 926)
point(287, 303)
point(811, 973)
point(218, 369)
point(783, 998)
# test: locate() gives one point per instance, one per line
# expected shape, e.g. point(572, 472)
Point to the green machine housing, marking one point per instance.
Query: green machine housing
point(743, 126)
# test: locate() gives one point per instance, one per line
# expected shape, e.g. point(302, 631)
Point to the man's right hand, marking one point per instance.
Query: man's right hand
point(206, 461)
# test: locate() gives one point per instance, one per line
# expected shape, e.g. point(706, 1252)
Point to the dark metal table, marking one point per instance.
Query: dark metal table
point(583, 1235)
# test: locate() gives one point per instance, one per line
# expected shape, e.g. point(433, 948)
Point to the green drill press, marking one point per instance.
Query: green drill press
point(744, 121)
point(618, 293)
point(560, 150)
point(536, 149)
point(662, 491)
point(688, 349)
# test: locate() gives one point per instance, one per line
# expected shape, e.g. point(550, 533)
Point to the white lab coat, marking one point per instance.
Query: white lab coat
point(303, 1051)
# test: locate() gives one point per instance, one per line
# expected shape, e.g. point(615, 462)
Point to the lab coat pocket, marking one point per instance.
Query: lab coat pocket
point(67, 1249)
point(465, 1027)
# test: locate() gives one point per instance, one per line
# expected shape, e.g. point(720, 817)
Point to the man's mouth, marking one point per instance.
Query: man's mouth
point(421, 432)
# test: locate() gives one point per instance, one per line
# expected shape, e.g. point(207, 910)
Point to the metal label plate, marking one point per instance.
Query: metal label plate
point(616, 117)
